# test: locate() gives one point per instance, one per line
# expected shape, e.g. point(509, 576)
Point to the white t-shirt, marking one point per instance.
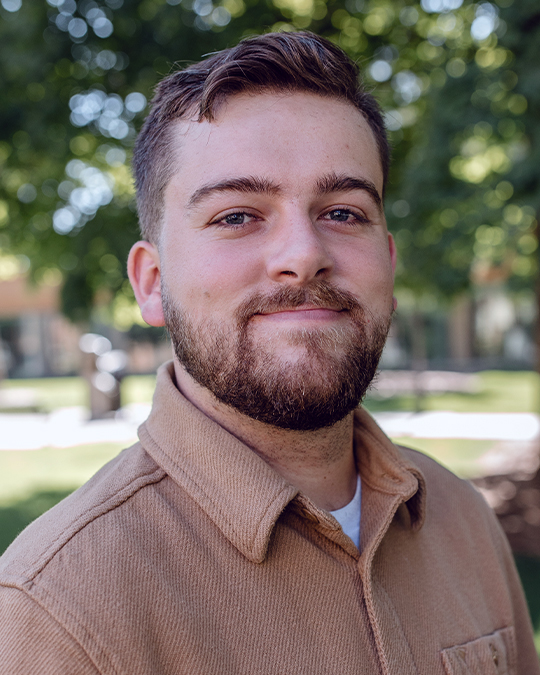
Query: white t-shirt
point(349, 516)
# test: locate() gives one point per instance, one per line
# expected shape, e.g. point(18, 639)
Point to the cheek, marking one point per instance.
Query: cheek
point(383, 280)
point(214, 281)
point(370, 270)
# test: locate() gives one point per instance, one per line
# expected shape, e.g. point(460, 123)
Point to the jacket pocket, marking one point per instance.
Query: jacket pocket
point(493, 654)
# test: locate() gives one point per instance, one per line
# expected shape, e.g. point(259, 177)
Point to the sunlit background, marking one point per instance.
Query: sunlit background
point(460, 87)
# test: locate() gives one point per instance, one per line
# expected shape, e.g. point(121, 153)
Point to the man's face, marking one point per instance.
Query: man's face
point(276, 265)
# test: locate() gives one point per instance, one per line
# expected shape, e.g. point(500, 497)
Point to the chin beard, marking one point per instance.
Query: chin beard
point(317, 390)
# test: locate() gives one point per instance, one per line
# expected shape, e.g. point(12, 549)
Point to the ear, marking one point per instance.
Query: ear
point(393, 252)
point(144, 271)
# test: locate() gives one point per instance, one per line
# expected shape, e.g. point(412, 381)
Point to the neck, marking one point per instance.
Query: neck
point(319, 463)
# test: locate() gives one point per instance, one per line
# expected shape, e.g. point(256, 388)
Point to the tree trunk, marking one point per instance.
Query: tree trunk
point(419, 355)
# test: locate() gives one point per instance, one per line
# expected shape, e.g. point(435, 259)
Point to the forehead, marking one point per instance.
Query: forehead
point(292, 138)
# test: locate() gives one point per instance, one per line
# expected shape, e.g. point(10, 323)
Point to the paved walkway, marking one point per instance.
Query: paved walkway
point(68, 427)
point(478, 426)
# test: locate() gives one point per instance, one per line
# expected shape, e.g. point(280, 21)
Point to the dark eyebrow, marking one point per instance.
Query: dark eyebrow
point(247, 184)
point(342, 183)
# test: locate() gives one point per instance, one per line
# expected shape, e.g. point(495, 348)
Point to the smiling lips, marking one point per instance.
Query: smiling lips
point(303, 314)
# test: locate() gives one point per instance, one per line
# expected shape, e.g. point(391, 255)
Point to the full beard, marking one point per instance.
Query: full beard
point(318, 390)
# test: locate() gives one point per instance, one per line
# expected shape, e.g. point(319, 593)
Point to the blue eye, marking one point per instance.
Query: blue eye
point(344, 216)
point(341, 215)
point(235, 219)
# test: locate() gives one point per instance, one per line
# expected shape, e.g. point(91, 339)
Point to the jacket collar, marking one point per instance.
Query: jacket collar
point(238, 490)
point(385, 468)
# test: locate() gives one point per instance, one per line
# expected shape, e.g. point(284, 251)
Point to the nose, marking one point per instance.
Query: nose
point(298, 253)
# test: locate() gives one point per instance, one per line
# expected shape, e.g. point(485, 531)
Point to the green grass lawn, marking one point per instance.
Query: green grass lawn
point(138, 389)
point(63, 392)
point(498, 391)
point(26, 472)
point(460, 455)
point(22, 472)
point(33, 481)
point(60, 469)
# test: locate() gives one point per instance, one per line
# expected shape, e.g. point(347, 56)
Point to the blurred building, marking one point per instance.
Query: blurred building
point(488, 328)
point(36, 340)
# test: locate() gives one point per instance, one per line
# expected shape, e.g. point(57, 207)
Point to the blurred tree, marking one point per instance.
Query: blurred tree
point(463, 180)
point(457, 80)
point(470, 179)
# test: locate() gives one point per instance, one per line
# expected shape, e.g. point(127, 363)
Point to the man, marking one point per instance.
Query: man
point(230, 539)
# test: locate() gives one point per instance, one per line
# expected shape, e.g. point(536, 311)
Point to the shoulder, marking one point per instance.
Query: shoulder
point(62, 527)
point(456, 508)
point(442, 485)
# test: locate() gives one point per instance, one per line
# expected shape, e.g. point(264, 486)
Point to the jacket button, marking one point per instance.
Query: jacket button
point(494, 654)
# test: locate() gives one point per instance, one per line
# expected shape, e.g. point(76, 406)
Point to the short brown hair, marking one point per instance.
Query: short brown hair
point(299, 61)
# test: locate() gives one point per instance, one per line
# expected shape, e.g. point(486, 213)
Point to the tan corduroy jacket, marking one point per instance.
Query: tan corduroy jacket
point(189, 555)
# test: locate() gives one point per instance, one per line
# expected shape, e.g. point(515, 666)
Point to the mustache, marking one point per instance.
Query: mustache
point(317, 294)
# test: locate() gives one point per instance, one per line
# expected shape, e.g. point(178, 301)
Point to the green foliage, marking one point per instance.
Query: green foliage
point(461, 102)
point(470, 180)
point(15, 517)
point(529, 571)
